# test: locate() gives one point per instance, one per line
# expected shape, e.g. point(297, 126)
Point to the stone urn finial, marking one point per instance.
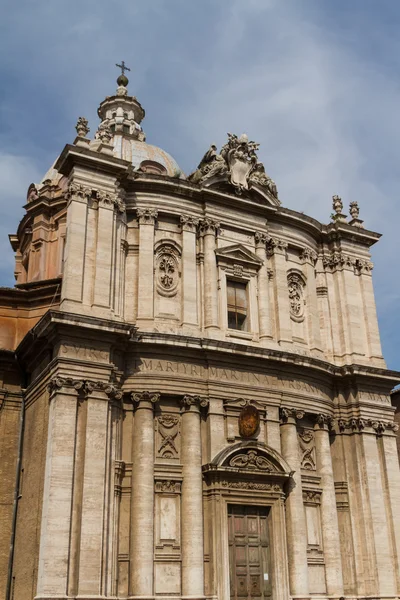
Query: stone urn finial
point(82, 127)
point(337, 205)
point(355, 215)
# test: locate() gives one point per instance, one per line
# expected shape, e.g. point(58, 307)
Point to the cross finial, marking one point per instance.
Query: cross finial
point(122, 67)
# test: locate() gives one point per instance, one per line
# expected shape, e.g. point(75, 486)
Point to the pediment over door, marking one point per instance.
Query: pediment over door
point(252, 463)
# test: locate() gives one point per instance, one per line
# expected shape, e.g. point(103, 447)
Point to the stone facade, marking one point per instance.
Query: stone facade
point(194, 402)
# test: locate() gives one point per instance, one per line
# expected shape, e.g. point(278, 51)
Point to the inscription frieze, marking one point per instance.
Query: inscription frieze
point(218, 374)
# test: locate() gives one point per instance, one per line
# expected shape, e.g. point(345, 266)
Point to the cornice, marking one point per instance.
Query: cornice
point(72, 155)
point(55, 322)
point(212, 348)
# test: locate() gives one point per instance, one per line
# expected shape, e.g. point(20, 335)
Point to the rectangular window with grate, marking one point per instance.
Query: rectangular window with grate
point(237, 305)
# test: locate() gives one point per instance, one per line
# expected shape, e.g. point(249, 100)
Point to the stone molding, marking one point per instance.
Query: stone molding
point(146, 216)
point(189, 223)
point(101, 197)
point(167, 486)
point(360, 424)
point(78, 190)
point(312, 497)
point(251, 485)
point(338, 260)
point(85, 386)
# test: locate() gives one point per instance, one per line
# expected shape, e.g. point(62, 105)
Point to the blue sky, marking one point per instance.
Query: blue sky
point(316, 82)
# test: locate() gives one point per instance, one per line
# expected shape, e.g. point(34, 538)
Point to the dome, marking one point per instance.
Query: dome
point(146, 157)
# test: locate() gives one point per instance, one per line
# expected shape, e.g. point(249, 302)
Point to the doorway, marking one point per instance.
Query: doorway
point(249, 553)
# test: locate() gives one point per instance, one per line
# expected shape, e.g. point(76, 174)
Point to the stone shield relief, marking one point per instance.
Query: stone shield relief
point(167, 269)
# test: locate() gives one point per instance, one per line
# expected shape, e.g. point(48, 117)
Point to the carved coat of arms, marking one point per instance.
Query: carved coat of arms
point(249, 421)
point(238, 162)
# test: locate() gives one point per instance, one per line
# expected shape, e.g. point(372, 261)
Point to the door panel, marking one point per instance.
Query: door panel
point(249, 554)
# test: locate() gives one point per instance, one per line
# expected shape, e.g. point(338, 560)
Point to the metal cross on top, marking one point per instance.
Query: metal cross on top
point(122, 67)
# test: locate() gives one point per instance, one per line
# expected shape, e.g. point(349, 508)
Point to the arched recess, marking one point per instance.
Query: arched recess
point(248, 473)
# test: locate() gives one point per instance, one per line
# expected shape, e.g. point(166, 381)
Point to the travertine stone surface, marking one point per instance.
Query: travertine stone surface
point(329, 519)
point(296, 529)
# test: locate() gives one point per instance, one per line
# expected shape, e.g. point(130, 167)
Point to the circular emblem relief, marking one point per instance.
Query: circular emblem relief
point(249, 421)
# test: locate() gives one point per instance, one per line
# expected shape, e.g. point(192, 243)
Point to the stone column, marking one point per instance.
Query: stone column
point(208, 229)
point(296, 528)
point(264, 316)
point(142, 505)
point(147, 218)
point(309, 258)
point(189, 271)
point(192, 499)
point(54, 545)
point(277, 251)
point(329, 518)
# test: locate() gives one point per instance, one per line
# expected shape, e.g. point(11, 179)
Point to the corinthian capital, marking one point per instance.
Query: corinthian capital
point(189, 223)
point(309, 256)
point(260, 238)
point(208, 226)
point(147, 216)
point(276, 246)
point(78, 191)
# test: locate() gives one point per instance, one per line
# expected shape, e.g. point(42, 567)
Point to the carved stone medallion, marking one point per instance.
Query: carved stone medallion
point(249, 421)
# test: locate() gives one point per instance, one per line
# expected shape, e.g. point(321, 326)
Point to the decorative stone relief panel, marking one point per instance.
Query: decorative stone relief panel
point(252, 460)
point(167, 268)
point(167, 515)
point(167, 437)
point(296, 285)
point(307, 449)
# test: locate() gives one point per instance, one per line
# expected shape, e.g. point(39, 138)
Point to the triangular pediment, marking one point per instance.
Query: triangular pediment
point(239, 254)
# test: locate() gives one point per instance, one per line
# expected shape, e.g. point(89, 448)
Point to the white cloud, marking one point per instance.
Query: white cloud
point(297, 76)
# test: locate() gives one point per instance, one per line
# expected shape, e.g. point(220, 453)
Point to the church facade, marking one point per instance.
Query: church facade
point(194, 402)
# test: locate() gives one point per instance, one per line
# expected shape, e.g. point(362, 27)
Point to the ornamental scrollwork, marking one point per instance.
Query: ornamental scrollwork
point(307, 450)
point(167, 269)
point(296, 296)
point(251, 461)
point(251, 485)
point(168, 432)
point(168, 487)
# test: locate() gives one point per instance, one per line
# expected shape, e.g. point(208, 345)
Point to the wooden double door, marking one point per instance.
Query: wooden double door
point(249, 553)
